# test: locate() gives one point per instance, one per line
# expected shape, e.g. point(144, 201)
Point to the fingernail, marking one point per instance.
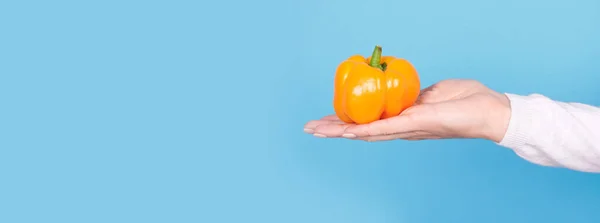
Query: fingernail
point(309, 131)
point(320, 135)
point(348, 135)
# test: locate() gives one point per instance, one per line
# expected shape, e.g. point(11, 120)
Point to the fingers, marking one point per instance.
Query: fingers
point(325, 120)
point(395, 125)
point(332, 129)
point(310, 126)
point(330, 120)
point(416, 135)
point(408, 125)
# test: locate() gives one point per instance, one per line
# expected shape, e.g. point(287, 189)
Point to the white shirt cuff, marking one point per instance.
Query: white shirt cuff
point(520, 124)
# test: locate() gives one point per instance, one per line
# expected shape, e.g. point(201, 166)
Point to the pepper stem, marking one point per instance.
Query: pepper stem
point(376, 58)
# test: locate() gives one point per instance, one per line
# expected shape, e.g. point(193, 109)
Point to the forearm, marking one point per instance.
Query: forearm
point(552, 133)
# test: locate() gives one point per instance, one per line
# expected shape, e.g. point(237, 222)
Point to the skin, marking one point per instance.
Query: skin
point(448, 109)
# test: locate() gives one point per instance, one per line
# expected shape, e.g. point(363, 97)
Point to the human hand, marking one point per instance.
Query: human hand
point(448, 109)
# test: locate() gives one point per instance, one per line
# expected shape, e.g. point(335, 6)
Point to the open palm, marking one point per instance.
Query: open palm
point(448, 109)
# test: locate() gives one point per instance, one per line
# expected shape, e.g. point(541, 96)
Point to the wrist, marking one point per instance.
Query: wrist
point(497, 117)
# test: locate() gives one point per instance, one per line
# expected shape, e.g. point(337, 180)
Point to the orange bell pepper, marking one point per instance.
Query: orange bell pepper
point(373, 88)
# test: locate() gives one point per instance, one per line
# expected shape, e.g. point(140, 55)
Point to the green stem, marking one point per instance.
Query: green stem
point(376, 58)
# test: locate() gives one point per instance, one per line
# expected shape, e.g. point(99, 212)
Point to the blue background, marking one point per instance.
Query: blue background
point(192, 111)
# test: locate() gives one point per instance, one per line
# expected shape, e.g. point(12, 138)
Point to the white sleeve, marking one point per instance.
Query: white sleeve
point(553, 133)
